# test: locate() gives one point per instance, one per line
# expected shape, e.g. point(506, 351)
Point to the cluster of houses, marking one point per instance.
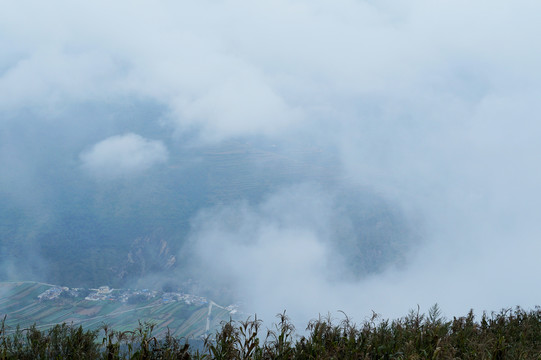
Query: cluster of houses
point(57, 291)
point(187, 298)
point(105, 293)
point(52, 293)
point(102, 293)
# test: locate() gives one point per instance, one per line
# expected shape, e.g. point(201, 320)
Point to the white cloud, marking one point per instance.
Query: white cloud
point(273, 256)
point(123, 155)
point(435, 104)
point(303, 248)
point(233, 68)
point(282, 253)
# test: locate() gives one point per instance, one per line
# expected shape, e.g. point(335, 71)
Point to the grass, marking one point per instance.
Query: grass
point(508, 334)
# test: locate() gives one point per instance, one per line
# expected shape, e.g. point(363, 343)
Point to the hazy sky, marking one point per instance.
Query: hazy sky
point(433, 104)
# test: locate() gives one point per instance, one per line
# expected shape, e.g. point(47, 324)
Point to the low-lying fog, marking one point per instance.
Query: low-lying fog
point(302, 155)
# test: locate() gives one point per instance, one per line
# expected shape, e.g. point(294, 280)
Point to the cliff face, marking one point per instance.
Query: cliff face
point(147, 255)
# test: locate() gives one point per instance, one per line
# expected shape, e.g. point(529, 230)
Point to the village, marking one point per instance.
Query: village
point(129, 296)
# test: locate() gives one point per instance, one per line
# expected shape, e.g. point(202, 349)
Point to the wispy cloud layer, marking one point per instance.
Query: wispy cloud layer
point(432, 105)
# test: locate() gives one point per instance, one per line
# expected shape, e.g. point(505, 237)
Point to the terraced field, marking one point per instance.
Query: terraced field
point(20, 305)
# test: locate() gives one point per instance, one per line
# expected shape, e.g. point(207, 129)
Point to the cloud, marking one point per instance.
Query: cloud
point(286, 253)
point(149, 54)
point(263, 257)
point(280, 66)
point(433, 105)
point(123, 155)
point(297, 247)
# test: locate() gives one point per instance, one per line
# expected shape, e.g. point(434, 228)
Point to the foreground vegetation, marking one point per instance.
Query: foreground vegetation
point(509, 334)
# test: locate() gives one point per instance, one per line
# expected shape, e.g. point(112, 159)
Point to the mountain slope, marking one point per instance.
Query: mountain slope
point(28, 303)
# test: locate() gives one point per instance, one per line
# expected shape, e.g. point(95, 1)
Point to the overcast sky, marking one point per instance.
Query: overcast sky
point(433, 104)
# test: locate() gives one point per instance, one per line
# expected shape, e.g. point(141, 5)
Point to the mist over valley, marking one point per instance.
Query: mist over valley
point(305, 156)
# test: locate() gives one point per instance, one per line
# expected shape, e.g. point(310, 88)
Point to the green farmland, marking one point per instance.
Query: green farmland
point(20, 304)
